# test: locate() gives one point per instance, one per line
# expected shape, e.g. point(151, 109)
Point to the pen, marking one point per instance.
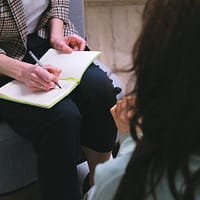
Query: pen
point(39, 63)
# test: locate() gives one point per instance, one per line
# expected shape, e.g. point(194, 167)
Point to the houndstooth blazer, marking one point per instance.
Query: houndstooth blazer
point(13, 30)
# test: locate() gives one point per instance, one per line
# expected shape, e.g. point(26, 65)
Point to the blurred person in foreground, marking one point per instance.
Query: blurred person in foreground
point(165, 164)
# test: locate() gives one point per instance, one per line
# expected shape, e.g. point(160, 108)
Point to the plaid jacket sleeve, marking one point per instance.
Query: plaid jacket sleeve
point(12, 29)
point(13, 33)
point(60, 10)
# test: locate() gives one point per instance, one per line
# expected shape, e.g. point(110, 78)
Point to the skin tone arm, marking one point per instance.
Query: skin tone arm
point(65, 44)
point(122, 113)
point(32, 75)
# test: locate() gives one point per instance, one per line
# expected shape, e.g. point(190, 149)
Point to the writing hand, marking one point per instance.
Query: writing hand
point(39, 79)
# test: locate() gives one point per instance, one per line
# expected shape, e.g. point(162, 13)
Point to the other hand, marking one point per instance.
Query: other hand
point(69, 43)
point(122, 113)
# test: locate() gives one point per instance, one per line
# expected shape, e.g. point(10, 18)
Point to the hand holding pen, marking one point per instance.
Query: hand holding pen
point(41, 65)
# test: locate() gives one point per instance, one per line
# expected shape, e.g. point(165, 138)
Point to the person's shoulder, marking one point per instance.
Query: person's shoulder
point(127, 144)
point(111, 170)
point(115, 167)
point(108, 176)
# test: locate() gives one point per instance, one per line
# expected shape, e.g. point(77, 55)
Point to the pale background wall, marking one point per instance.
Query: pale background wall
point(112, 27)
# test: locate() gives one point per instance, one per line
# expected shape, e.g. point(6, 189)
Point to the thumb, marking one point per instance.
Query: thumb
point(66, 49)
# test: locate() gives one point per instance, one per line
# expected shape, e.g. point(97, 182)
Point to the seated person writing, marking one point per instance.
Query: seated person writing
point(81, 119)
point(165, 164)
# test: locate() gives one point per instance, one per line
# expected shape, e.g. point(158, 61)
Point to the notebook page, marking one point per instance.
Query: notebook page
point(73, 65)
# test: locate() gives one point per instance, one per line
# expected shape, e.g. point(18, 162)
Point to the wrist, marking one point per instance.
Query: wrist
point(21, 70)
point(123, 137)
point(12, 67)
point(56, 30)
point(123, 131)
point(54, 40)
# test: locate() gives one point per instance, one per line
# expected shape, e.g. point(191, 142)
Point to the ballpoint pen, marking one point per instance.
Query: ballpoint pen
point(40, 64)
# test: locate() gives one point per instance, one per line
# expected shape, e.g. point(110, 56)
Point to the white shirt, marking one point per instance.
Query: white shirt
point(33, 10)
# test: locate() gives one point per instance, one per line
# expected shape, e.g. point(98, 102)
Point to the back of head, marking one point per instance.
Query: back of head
point(167, 65)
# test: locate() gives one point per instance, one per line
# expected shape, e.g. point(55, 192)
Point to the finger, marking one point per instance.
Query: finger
point(123, 107)
point(69, 39)
point(41, 84)
point(62, 45)
point(54, 71)
point(75, 45)
point(36, 89)
point(130, 114)
point(76, 42)
point(118, 107)
point(74, 38)
point(131, 100)
point(66, 49)
point(41, 73)
point(43, 76)
point(82, 46)
point(124, 110)
point(115, 115)
point(76, 48)
point(113, 110)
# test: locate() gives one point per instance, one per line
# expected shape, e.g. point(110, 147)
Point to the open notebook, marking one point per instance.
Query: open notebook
point(73, 67)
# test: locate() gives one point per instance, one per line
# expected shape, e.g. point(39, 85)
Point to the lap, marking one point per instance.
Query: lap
point(29, 120)
point(95, 90)
point(88, 104)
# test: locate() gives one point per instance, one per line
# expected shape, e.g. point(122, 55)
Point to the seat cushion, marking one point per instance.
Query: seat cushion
point(17, 160)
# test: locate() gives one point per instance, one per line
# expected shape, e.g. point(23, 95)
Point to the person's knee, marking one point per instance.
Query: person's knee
point(67, 111)
point(102, 87)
